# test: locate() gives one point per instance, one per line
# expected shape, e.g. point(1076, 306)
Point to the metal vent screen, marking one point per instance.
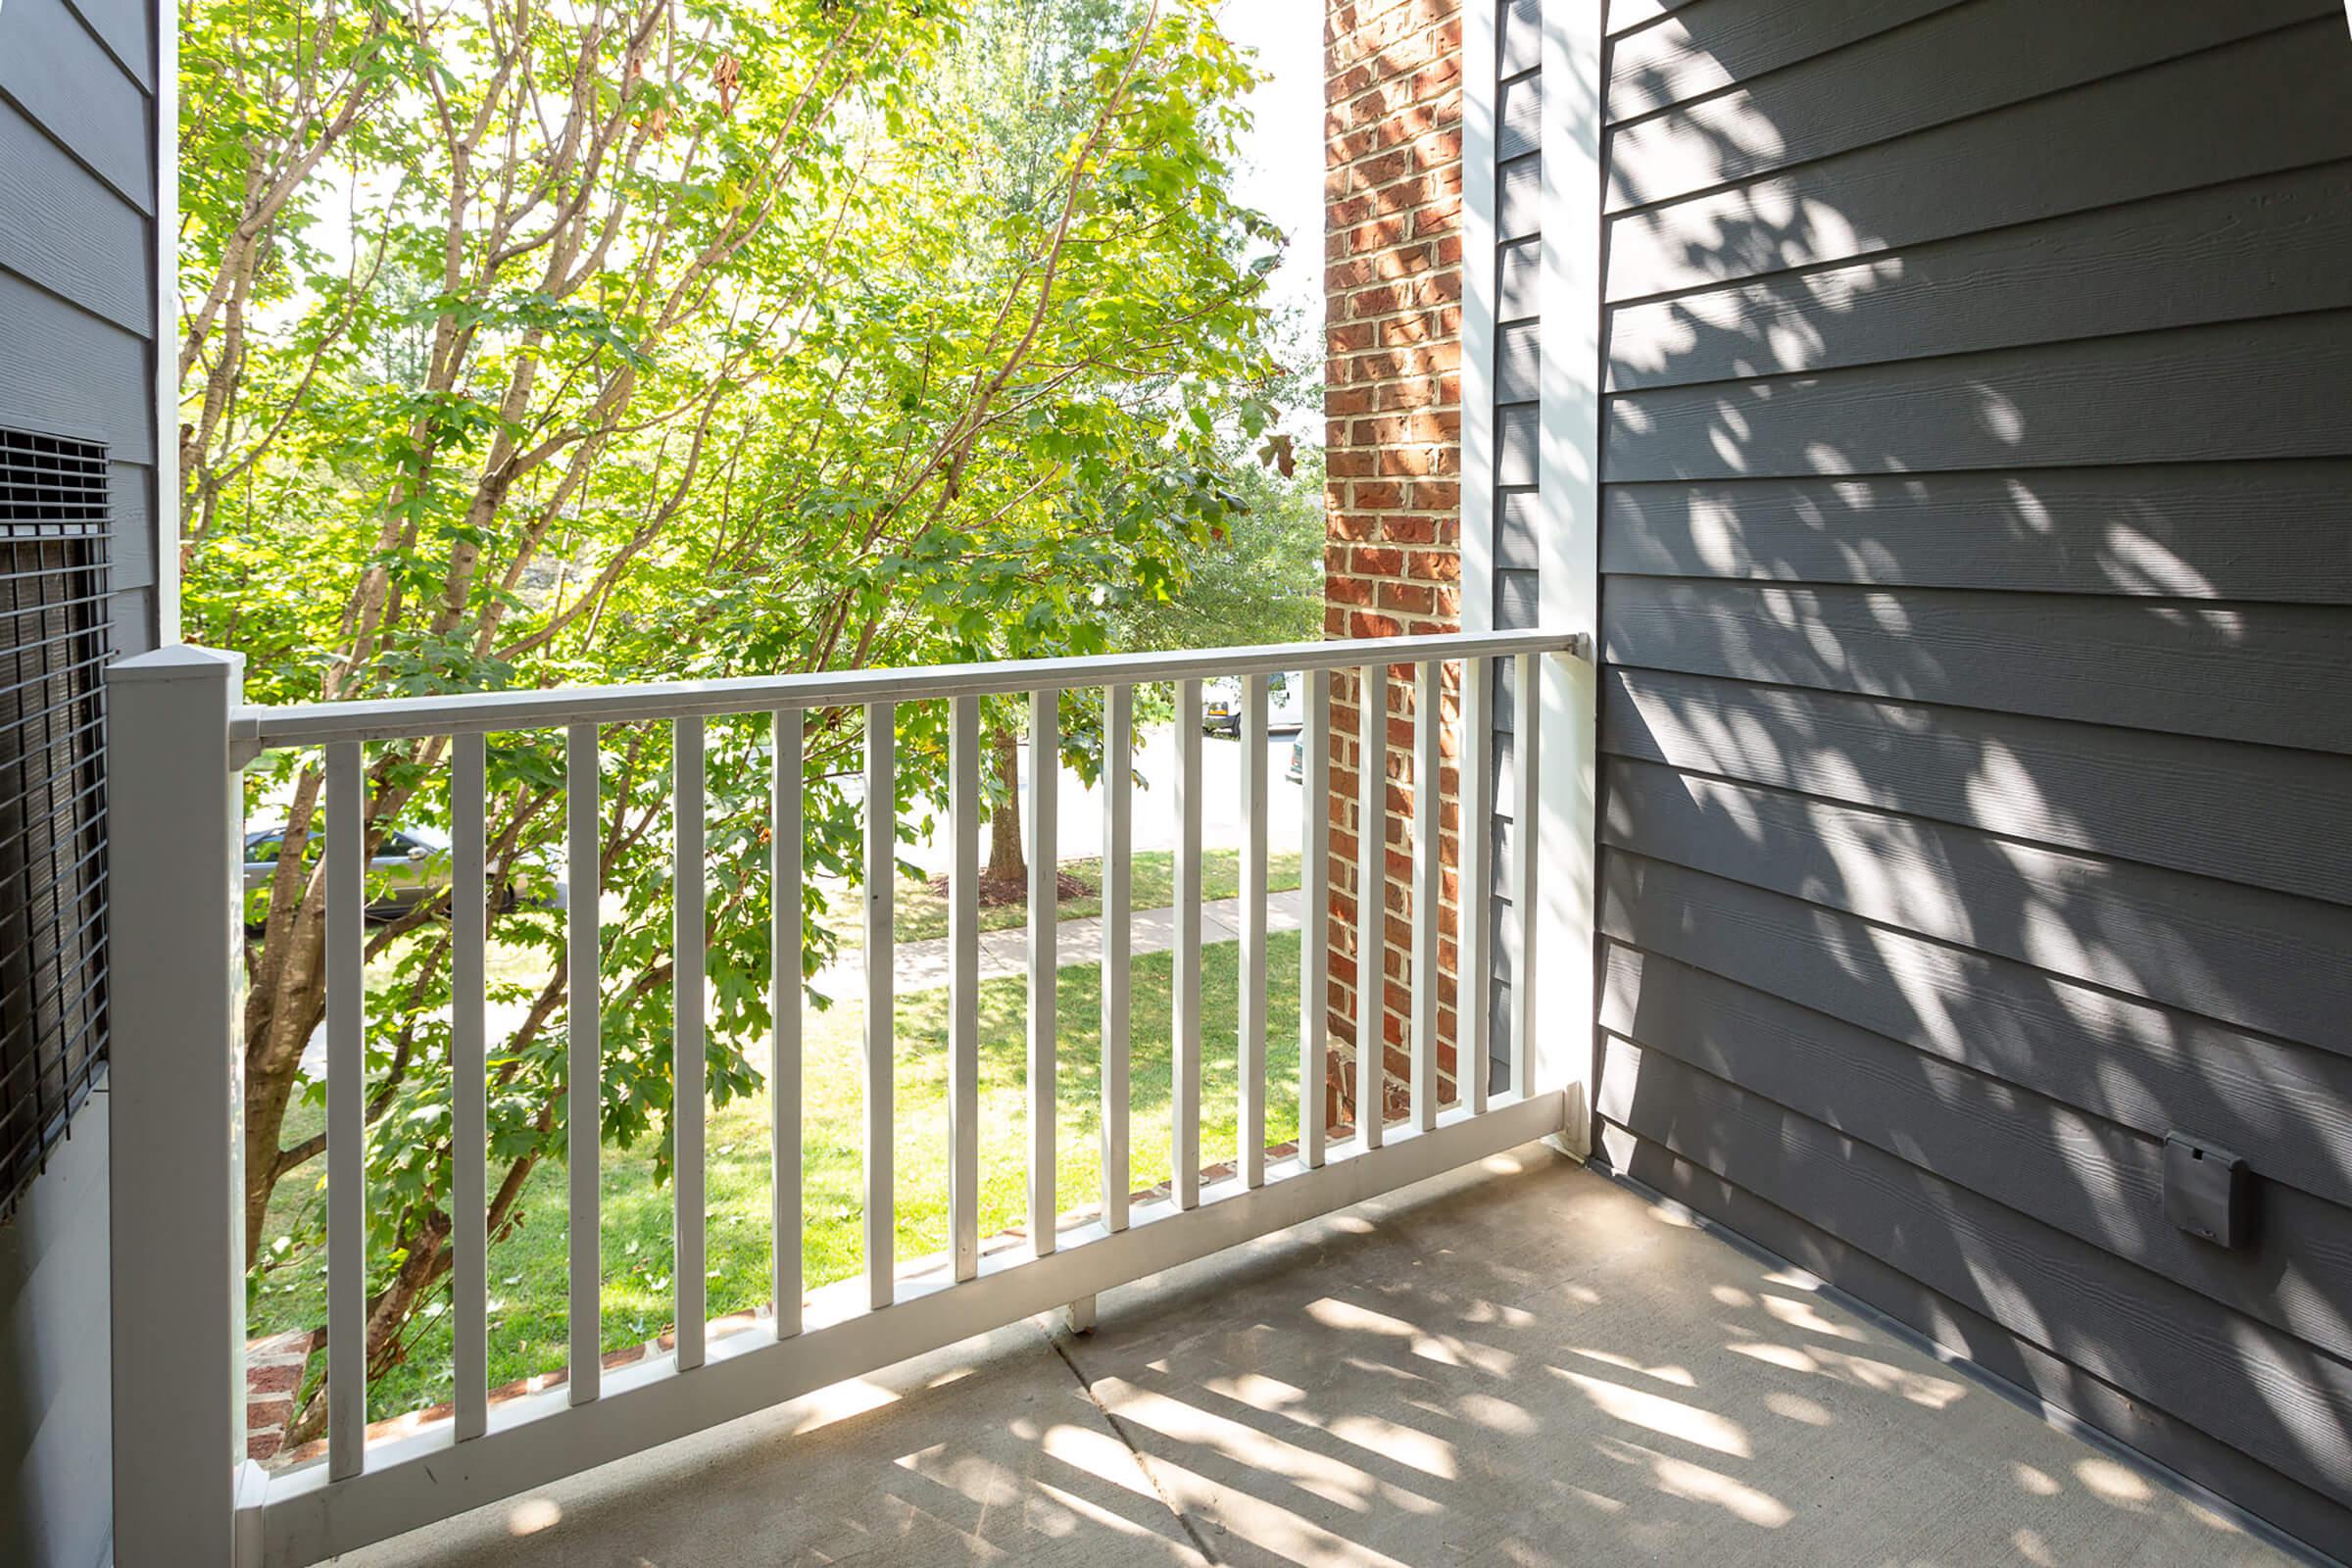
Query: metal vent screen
point(55, 515)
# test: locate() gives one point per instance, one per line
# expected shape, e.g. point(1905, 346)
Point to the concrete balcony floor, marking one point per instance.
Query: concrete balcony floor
point(1522, 1363)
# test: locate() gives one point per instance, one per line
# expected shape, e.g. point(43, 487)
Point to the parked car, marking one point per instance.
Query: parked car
point(411, 867)
point(1286, 705)
point(1297, 770)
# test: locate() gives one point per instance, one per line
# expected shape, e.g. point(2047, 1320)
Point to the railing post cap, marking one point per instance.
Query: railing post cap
point(180, 661)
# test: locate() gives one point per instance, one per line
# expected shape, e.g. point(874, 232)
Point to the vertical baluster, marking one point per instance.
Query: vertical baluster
point(1371, 898)
point(963, 995)
point(1314, 941)
point(1250, 1065)
point(784, 1003)
point(345, 1112)
point(1118, 727)
point(584, 1096)
point(470, 1268)
point(1474, 908)
point(1185, 1156)
point(881, 1000)
point(687, 1064)
point(1044, 893)
point(1427, 869)
point(1524, 809)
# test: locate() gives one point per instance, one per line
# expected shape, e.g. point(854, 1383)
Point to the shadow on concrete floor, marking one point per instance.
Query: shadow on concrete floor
point(1518, 1363)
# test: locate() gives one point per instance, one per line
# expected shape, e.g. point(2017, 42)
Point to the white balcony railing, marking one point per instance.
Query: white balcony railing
point(181, 737)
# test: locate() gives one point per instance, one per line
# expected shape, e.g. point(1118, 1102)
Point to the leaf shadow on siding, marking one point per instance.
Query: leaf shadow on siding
point(1935, 695)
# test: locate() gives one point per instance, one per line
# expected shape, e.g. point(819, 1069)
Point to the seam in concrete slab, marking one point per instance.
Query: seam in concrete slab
point(1086, 1386)
point(2025, 1400)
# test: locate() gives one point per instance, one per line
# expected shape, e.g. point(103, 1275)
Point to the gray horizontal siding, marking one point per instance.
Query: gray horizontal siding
point(106, 396)
point(1957, 63)
point(1977, 709)
point(2260, 247)
point(1517, 386)
point(77, 191)
point(64, 79)
point(124, 28)
point(1518, 37)
point(2124, 1058)
point(2172, 530)
point(1673, 58)
point(2243, 671)
point(2083, 1175)
point(1519, 265)
point(2166, 128)
point(2263, 960)
point(66, 233)
point(2235, 390)
point(2152, 797)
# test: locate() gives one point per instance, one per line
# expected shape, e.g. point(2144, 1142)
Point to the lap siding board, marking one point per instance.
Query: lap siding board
point(1976, 625)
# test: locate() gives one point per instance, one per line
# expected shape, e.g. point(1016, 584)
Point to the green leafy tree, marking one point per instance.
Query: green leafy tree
point(527, 344)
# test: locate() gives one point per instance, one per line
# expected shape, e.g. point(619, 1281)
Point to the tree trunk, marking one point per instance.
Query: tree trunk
point(1008, 866)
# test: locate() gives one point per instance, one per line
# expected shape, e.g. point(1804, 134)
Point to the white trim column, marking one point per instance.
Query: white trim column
point(1569, 474)
point(166, 346)
point(176, 1080)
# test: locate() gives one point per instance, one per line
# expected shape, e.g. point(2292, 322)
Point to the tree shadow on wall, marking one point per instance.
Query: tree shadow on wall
point(1975, 738)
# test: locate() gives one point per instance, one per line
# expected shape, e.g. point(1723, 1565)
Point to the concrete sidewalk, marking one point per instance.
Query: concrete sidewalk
point(925, 965)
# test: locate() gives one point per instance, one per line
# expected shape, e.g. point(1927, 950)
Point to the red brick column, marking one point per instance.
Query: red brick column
point(1392, 555)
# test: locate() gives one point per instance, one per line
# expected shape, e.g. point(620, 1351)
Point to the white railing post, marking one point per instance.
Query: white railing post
point(1044, 960)
point(1314, 940)
point(1429, 869)
point(1184, 1096)
point(1371, 901)
point(1250, 1065)
point(881, 1002)
point(176, 1091)
point(964, 994)
point(1119, 909)
point(784, 1003)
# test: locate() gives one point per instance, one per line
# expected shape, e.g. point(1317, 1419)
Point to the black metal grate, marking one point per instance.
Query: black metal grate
point(55, 515)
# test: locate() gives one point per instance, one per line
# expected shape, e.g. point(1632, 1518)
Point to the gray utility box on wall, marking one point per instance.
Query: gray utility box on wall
point(2207, 1192)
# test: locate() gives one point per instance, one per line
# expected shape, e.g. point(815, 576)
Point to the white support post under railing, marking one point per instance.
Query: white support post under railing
point(1250, 1065)
point(1314, 939)
point(345, 831)
point(963, 985)
point(176, 1094)
point(1474, 983)
point(1527, 766)
point(1185, 1095)
point(784, 1001)
point(881, 1001)
point(688, 953)
point(583, 1109)
point(1119, 733)
point(1044, 960)
point(1429, 685)
point(469, 1124)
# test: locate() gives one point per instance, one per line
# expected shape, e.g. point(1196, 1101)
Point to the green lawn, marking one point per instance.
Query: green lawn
point(919, 909)
point(528, 1272)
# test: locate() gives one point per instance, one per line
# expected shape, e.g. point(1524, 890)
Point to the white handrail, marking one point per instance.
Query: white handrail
point(374, 1485)
point(257, 729)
